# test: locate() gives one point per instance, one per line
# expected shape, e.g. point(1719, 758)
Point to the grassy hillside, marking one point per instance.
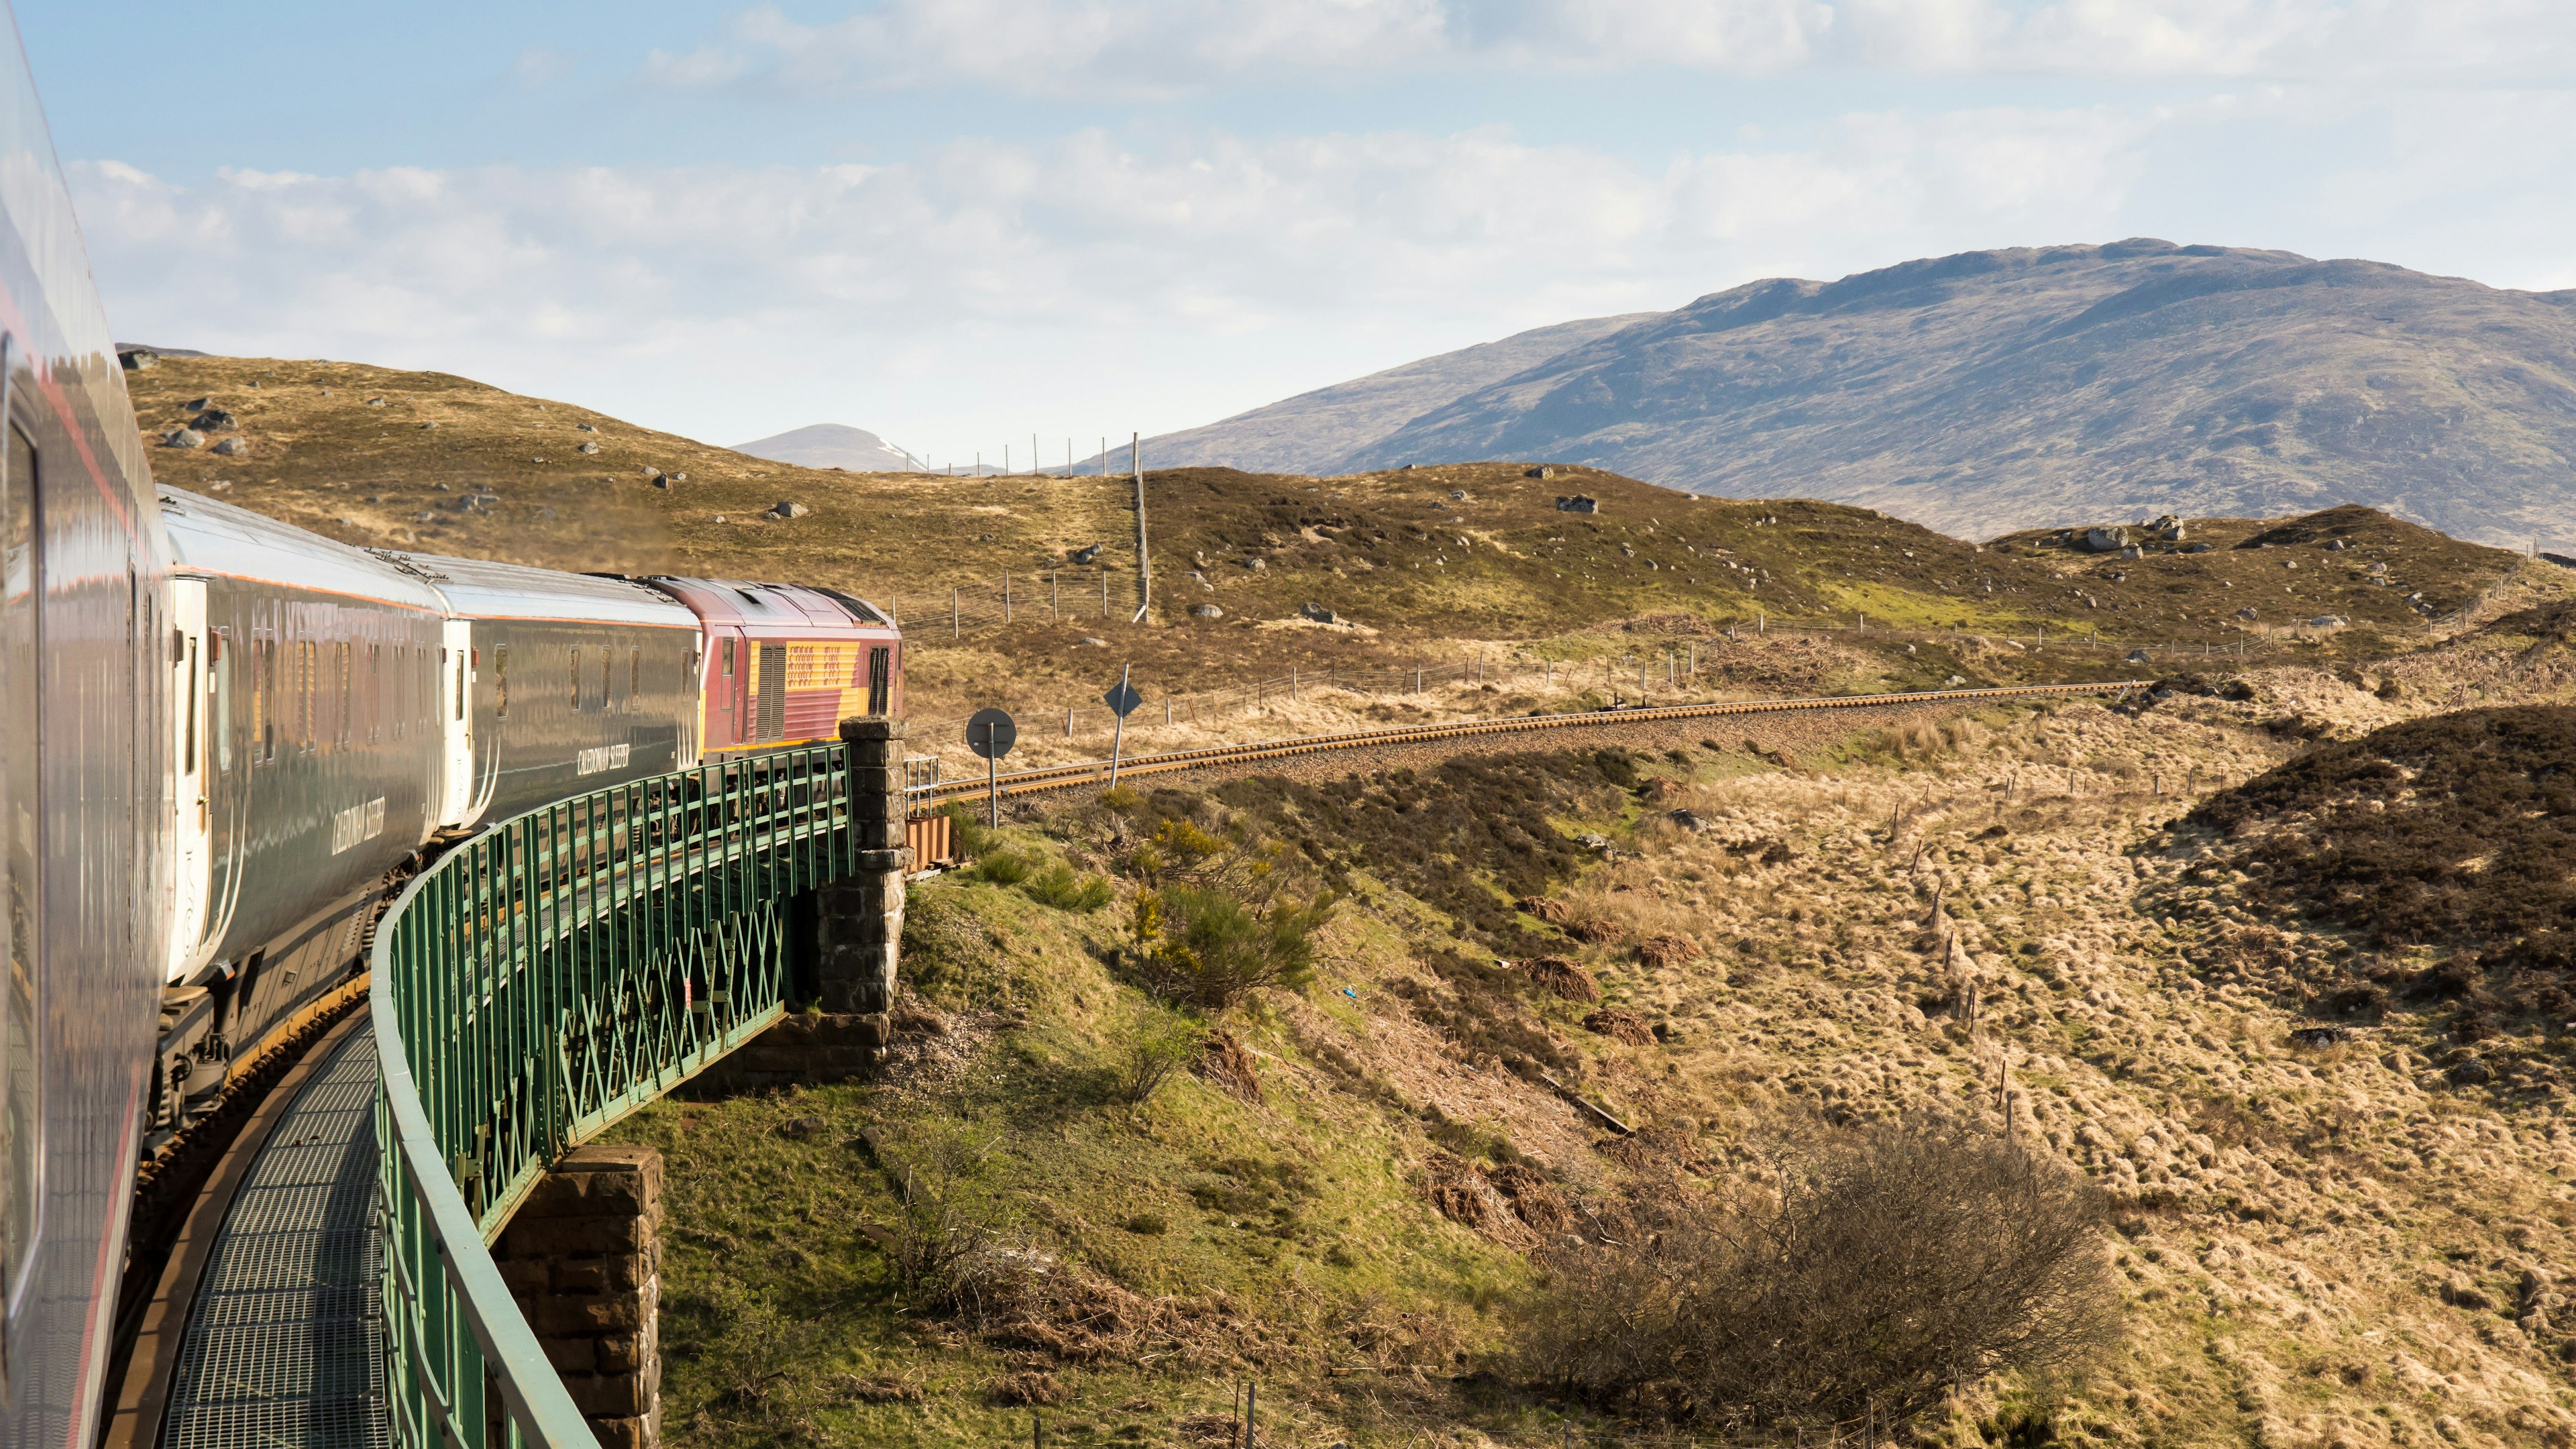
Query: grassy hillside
point(2346, 1239)
point(1414, 574)
point(2011, 919)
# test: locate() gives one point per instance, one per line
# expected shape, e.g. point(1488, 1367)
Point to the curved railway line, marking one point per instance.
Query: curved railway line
point(1092, 772)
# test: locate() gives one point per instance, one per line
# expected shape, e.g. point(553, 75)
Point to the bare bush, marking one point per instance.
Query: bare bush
point(1142, 1063)
point(953, 1218)
point(1868, 1272)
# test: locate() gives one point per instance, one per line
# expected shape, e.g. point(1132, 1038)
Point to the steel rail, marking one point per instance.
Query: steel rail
point(1059, 777)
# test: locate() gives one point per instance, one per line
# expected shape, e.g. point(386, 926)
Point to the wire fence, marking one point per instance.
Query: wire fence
point(1050, 595)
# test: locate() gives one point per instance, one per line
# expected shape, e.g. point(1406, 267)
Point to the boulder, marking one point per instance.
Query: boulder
point(2105, 540)
point(787, 508)
point(587, 448)
point(2328, 621)
point(1318, 613)
point(197, 404)
point(2133, 551)
point(137, 359)
point(232, 447)
point(1091, 643)
point(183, 438)
point(1578, 504)
point(1080, 556)
point(1256, 565)
point(1457, 495)
point(1541, 471)
point(212, 420)
point(585, 427)
point(1690, 820)
point(2136, 656)
point(1206, 611)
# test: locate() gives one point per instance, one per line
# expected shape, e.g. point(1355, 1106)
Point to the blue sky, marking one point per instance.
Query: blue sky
point(959, 222)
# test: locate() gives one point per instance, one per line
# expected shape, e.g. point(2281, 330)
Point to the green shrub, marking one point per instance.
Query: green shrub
point(1147, 1059)
point(1208, 947)
point(1003, 867)
point(967, 832)
point(1059, 887)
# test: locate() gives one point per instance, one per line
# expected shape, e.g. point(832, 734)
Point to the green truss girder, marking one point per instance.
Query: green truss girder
point(540, 982)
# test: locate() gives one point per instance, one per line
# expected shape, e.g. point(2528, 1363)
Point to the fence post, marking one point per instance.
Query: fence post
point(1055, 597)
point(1104, 591)
point(1006, 596)
point(952, 613)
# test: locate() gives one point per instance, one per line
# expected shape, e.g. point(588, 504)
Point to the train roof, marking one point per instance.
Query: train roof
point(211, 537)
point(754, 604)
point(480, 589)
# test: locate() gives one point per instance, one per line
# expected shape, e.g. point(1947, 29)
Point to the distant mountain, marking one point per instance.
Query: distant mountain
point(831, 445)
point(1312, 431)
point(1993, 391)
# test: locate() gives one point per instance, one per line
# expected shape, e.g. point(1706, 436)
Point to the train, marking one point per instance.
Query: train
point(340, 710)
point(225, 741)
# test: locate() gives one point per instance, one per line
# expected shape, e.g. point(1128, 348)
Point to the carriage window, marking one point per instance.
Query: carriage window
point(634, 674)
point(22, 582)
point(347, 699)
point(880, 680)
point(219, 679)
point(607, 658)
point(460, 682)
point(188, 732)
point(501, 681)
point(576, 676)
point(308, 661)
point(263, 700)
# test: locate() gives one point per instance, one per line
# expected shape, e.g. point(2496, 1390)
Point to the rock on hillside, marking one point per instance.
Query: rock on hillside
point(1309, 432)
point(833, 445)
point(1999, 390)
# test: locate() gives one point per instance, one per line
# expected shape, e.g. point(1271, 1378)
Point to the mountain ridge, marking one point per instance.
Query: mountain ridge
point(833, 445)
point(1990, 391)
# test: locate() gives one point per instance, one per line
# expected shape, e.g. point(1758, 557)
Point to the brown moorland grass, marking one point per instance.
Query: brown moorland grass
point(390, 458)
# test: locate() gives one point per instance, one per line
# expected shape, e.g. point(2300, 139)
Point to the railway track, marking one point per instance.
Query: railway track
point(1093, 772)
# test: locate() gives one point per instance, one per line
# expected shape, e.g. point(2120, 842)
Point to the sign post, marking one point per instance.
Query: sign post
point(991, 733)
point(1122, 702)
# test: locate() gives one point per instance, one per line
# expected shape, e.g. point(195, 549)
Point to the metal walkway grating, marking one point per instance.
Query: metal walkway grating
point(285, 1341)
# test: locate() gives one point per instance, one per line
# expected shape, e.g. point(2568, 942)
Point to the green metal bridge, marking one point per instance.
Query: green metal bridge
point(539, 983)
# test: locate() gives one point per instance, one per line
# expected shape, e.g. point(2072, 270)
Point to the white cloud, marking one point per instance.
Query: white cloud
point(986, 287)
point(1167, 47)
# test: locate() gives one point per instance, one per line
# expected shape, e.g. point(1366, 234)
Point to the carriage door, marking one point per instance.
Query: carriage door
point(456, 721)
point(191, 724)
point(728, 692)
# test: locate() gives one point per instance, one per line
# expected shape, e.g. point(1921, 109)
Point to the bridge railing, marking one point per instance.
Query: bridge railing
point(538, 983)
